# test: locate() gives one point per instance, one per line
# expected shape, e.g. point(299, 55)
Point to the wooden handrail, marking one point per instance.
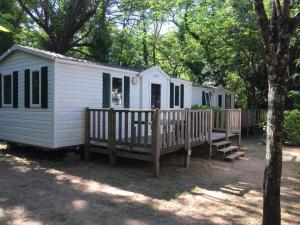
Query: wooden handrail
point(169, 130)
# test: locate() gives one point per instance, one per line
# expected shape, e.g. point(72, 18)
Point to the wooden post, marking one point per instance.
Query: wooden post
point(187, 144)
point(87, 134)
point(226, 124)
point(112, 137)
point(210, 132)
point(240, 129)
point(247, 122)
point(156, 142)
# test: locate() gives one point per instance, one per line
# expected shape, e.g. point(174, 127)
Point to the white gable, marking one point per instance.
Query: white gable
point(154, 71)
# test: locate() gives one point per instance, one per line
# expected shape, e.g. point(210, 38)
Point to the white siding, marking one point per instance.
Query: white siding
point(153, 76)
point(33, 126)
point(78, 87)
point(197, 95)
point(187, 92)
point(219, 91)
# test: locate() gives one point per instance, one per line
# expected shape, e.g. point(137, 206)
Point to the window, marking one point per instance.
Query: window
point(117, 92)
point(176, 95)
point(7, 90)
point(220, 101)
point(35, 81)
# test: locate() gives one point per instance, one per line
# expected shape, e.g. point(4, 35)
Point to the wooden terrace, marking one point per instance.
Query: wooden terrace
point(149, 134)
point(251, 118)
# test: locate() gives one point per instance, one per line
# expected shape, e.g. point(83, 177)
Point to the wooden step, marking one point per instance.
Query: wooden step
point(228, 149)
point(235, 155)
point(217, 144)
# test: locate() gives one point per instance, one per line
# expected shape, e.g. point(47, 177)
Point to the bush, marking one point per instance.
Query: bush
point(292, 126)
point(198, 106)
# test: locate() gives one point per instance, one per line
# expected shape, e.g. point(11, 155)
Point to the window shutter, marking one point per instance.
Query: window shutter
point(220, 101)
point(15, 89)
point(181, 96)
point(171, 95)
point(126, 92)
point(106, 90)
point(27, 89)
point(44, 87)
point(0, 90)
point(203, 98)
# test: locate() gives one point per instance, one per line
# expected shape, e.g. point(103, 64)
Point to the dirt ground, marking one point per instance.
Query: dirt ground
point(49, 188)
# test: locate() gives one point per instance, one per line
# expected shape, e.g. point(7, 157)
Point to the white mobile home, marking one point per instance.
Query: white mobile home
point(43, 95)
point(212, 96)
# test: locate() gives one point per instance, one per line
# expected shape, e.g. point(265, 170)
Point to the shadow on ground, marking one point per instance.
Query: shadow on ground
point(55, 188)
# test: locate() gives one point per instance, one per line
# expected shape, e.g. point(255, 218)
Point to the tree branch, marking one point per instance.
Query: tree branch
point(263, 20)
point(286, 8)
point(36, 20)
point(278, 9)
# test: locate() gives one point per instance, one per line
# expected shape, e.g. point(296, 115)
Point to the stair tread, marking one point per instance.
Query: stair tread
point(227, 149)
point(221, 143)
point(235, 155)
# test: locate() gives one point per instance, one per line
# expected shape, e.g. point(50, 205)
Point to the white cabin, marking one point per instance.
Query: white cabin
point(43, 95)
point(212, 96)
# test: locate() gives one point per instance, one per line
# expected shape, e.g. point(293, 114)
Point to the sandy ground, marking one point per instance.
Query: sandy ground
point(45, 188)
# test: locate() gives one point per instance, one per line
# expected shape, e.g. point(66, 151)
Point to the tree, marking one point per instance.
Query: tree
point(11, 18)
point(61, 20)
point(276, 31)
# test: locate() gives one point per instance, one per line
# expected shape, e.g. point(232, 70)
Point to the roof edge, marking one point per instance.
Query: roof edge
point(17, 47)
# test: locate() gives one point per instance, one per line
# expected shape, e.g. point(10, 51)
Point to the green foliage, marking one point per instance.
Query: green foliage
point(215, 41)
point(292, 126)
point(198, 106)
point(295, 97)
point(234, 82)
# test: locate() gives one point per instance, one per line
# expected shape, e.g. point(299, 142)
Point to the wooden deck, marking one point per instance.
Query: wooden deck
point(251, 118)
point(148, 134)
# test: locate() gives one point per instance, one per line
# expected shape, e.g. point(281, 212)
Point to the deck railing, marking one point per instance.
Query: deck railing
point(151, 133)
point(252, 117)
point(227, 120)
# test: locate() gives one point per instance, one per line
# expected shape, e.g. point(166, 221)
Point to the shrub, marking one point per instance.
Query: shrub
point(198, 106)
point(292, 126)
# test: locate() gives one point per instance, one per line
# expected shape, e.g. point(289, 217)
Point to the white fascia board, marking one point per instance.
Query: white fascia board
point(26, 50)
point(181, 80)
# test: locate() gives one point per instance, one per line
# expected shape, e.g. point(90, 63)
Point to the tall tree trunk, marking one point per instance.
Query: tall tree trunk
point(272, 175)
point(276, 32)
point(277, 61)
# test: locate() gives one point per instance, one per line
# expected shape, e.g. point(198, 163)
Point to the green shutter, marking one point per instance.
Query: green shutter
point(15, 89)
point(44, 87)
point(203, 98)
point(126, 92)
point(27, 89)
point(181, 96)
point(106, 90)
point(0, 90)
point(220, 101)
point(171, 95)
